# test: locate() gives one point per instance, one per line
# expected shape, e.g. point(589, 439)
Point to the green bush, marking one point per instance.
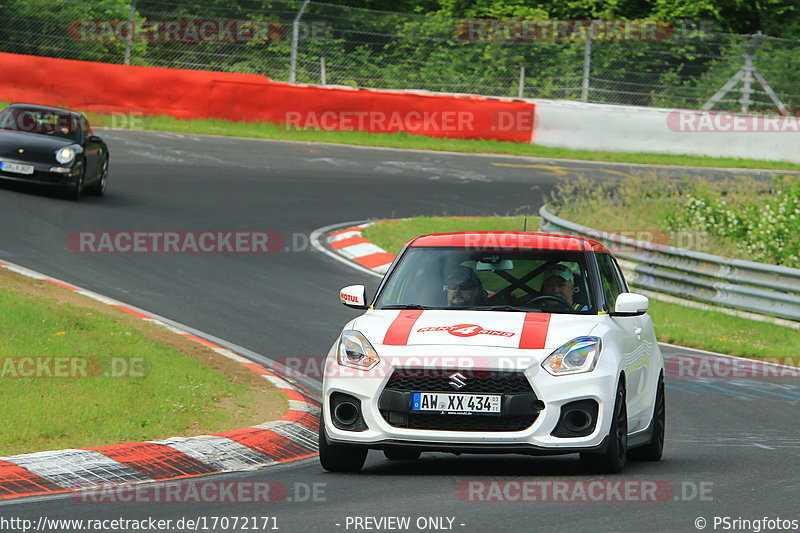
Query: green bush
point(742, 217)
point(765, 226)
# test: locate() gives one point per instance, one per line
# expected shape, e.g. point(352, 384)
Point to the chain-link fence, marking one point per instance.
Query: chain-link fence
point(680, 65)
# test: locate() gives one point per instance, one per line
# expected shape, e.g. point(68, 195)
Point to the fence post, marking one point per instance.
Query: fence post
point(748, 78)
point(129, 39)
point(587, 64)
point(521, 92)
point(295, 33)
point(322, 74)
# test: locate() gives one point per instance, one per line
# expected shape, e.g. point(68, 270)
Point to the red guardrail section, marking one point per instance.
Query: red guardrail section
point(107, 88)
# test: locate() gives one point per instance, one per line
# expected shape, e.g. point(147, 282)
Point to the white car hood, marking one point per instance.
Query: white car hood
point(502, 329)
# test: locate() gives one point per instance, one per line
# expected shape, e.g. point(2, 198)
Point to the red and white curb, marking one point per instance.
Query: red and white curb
point(292, 437)
point(349, 244)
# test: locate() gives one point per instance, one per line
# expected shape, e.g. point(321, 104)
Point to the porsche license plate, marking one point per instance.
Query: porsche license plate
point(16, 168)
point(453, 403)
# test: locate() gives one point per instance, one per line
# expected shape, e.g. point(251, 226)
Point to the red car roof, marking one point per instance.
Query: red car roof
point(509, 239)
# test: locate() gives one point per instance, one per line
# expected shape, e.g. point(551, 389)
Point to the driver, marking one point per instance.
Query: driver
point(463, 287)
point(560, 282)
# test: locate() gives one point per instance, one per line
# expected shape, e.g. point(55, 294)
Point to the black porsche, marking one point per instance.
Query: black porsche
point(53, 147)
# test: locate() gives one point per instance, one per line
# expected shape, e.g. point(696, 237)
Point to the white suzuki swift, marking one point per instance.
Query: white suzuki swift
point(496, 342)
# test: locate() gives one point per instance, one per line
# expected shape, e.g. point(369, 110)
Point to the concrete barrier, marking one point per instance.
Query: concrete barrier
point(582, 126)
point(186, 94)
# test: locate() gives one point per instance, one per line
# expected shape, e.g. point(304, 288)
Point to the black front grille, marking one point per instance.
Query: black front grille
point(438, 380)
point(469, 422)
point(519, 412)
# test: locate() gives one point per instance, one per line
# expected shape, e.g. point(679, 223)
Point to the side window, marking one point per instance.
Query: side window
point(609, 280)
point(623, 285)
point(83, 126)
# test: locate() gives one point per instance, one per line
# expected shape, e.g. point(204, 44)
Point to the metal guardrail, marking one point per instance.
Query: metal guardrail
point(756, 287)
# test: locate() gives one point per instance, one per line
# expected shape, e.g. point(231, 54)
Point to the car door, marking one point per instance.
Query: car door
point(630, 330)
point(647, 380)
point(91, 151)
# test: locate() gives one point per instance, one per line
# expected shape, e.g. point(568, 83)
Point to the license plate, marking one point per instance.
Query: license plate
point(452, 403)
point(16, 168)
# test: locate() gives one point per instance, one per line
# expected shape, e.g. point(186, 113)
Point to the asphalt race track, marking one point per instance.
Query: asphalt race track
point(733, 446)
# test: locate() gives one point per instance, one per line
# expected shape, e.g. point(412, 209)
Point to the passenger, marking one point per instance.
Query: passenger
point(560, 282)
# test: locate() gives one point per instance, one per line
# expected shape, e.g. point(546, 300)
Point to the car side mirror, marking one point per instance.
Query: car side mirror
point(95, 139)
point(630, 304)
point(354, 296)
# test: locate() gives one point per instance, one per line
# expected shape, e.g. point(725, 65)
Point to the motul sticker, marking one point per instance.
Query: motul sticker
point(348, 298)
point(467, 330)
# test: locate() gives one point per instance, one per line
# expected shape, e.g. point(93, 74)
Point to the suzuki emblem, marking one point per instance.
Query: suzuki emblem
point(458, 381)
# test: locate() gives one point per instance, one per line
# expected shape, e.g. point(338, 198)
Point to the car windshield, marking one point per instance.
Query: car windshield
point(501, 280)
point(43, 122)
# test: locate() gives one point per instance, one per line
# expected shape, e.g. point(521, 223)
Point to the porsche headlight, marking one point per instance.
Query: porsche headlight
point(65, 155)
point(575, 357)
point(355, 351)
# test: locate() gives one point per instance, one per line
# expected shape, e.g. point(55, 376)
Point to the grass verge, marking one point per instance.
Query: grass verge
point(676, 324)
point(264, 130)
point(392, 235)
point(719, 332)
point(101, 376)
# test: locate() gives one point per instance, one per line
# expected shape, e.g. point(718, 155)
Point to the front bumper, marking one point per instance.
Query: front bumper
point(43, 175)
point(459, 448)
point(536, 439)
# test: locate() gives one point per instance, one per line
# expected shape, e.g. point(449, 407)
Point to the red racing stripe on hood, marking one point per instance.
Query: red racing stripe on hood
point(534, 331)
point(398, 332)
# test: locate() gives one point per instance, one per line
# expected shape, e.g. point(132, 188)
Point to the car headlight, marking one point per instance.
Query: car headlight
point(355, 351)
point(575, 357)
point(65, 155)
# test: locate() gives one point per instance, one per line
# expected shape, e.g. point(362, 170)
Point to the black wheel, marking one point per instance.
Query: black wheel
point(615, 456)
point(401, 454)
point(654, 450)
point(75, 192)
point(99, 188)
point(339, 457)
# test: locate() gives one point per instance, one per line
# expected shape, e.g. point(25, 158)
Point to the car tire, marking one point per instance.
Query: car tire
point(339, 457)
point(402, 454)
point(74, 193)
point(613, 460)
point(655, 449)
point(99, 188)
